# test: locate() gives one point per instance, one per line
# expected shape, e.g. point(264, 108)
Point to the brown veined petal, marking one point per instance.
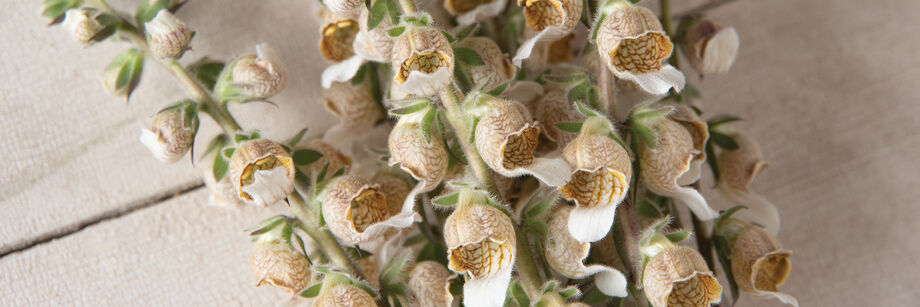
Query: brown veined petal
point(699, 132)
point(353, 104)
point(344, 295)
point(427, 52)
point(262, 172)
point(540, 14)
point(277, 263)
point(337, 38)
point(678, 276)
point(429, 284)
point(504, 136)
point(351, 205)
point(331, 156)
point(496, 68)
point(554, 108)
point(759, 263)
point(374, 44)
point(737, 169)
point(395, 188)
point(424, 160)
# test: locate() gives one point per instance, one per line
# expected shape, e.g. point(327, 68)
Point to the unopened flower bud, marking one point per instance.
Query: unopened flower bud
point(496, 68)
point(481, 242)
point(551, 19)
point(336, 38)
point(710, 47)
point(425, 160)
point(344, 295)
point(277, 263)
point(168, 36)
point(600, 181)
point(81, 25)
point(554, 108)
point(634, 46)
point(353, 104)
point(423, 61)
point(566, 255)
point(262, 172)
point(471, 11)
point(170, 135)
point(737, 169)
point(252, 77)
point(760, 265)
point(429, 285)
point(344, 8)
point(667, 161)
point(678, 276)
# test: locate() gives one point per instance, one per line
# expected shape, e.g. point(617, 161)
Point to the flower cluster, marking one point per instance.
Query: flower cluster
point(529, 144)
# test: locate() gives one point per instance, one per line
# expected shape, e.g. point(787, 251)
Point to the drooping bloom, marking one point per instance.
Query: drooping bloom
point(667, 161)
point(170, 135)
point(759, 263)
point(356, 211)
point(699, 132)
point(481, 243)
point(424, 159)
point(506, 138)
point(81, 25)
point(277, 263)
point(252, 77)
point(168, 36)
point(496, 68)
point(710, 47)
point(554, 108)
point(551, 19)
point(353, 104)
point(423, 61)
point(566, 255)
point(472, 11)
point(678, 276)
point(633, 45)
point(368, 45)
point(429, 285)
point(344, 8)
point(602, 172)
point(737, 169)
point(262, 172)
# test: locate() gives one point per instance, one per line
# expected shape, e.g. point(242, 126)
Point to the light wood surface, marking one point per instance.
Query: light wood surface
point(827, 87)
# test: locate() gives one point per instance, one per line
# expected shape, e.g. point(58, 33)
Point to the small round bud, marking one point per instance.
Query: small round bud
point(425, 160)
point(262, 172)
point(277, 263)
point(252, 77)
point(336, 38)
point(170, 135)
point(429, 285)
point(496, 68)
point(168, 36)
point(344, 295)
point(759, 263)
point(423, 61)
point(710, 47)
point(678, 276)
point(81, 25)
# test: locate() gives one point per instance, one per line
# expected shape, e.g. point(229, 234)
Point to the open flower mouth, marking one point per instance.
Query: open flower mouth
point(336, 44)
point(463, 6)
point(542, 13)
point(367, 208)
point(698, 290)
point(771, 271)
point(481, 259)
point(560, 51)
point(642, 54)
point(426, 62)
point(595, 188)
point(517, 151)
point(248, 177)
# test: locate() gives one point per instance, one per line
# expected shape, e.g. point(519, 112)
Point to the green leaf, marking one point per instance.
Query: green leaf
point(569, 292)
point(447, 200)
point(427, 124)
point(411, 109)
point(652, 114)
point(594, 297)
point(467, 31)
point(286, 232)
point(520, 297)
point(711, 160)
point(312, 291)
point(270, 224)
point(148, 9)
point(463, 79)
point(573, 127)
point(396, 31)
point(322, 173)
point(206, 71)
point(390, 273)
point(584, 110)
point(357, 252)
point(468, 56)
point(297, 138)
point(646, 209)
point(220, 167)
point(722, 119)
point(541, 206)
point(394, 12)
point(538, 228)
point(339, 172)
point(228, 152)
point(378, 12)
point(723, 140)
point(677, 237)
point(55, 9)
point(644, 132)
point(217, 142)
point(723, 251)
point(498, 90)
point(634, 1)
point(306, 156)
point(584, 92)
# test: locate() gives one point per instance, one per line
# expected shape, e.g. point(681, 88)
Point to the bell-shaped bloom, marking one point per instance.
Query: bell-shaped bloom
point(506, 138)
point(633, 45)
point(496, 68)
point(170, 135)
point(275, 262)
point(353, 104)
point(553, 108)
point(699, 132)
point(337, 35)
point(81, 25)
point(566, 255)
point(737, 169)
point(262, 172)
point(668, 160)
point(602, 172)
point(252, 77)
point(356, 211)
point(429, 285)
point(760, 265)
point(481, 244)
point(424, 159)
point(344, 8)
point(710, 47)
point(343, 294)
point(423, 61)
point(551, 19)
point(472, 11)
point(168, 36)
point(678, 276)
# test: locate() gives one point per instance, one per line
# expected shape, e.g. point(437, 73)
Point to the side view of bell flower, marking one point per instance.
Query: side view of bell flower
point(506, 138)
point(553, 108)
point(678, 276)
point(367, 45)
point(81, 25)
point(496, 68)
point(168, 36)
point(711, 47)
point(338, 291)
point(337, 34)
point(425, 159)
point(759, 263)
point(600, 181)
point(252, 77)
point(171, 134)
point(429, 285)
point(423, 61)
point(551, 19)
point(481, 244)
point(737, 169)
point(566, 255)
point(330, 155)
point(472, 11)
point(275, 262)
point(262, 172)
point(633, 45)
point(356, 211)
point(699, 132)
point(353, 104)
point(669, 159)
point(344, 8)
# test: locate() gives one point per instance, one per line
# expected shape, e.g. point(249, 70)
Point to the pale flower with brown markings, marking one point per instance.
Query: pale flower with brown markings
point(759, 263)
point(551, 19)
point(472, 11)
point(81, 25)
point(633, 45)
point(566, 255)
point(481, 244)
point(678, 276)
point(429, 285)
point(699, 132)
point(343, 294)
point(344, 8)
point(600, 181)
point(353, 104)
point(711, 47)
point(553, 108)
point(262, 172)
point(169, 136)
point(423, 61)
point(253, 76)
point(496, 68)
point(737, 169)
point(356, 211)
point(168, 36)
point(276, 263)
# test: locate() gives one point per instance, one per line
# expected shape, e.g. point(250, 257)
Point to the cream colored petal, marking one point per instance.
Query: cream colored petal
point(487, 292)
point(342, 71)
point(720, 52)
point(566, 255)
point(482, 12)
point(782, 297)
point(429, 284)
point(424, 84)
point(269, 186)
point(757, 210)
point(158, 147)
point(659, 82)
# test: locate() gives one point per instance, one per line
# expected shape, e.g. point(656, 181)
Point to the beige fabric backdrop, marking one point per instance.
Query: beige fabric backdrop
point(827, 87)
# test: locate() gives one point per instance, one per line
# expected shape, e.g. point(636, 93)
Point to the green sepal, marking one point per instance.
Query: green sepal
point(645, 208)
point(378, 11)
point(268, 224)
point(467, 31)
point(677, 237)
point(55, 9)
point(206, 71)
point(148, 9)
point(427, 123)
point(518, 294)
point(498, 90)
point(129, 65)
point(446, 200)
point(723, 140)
point(644, 132)
point(312, 291)
point(306, 156)
point(396, 31)
point(468, 56)
point(722, 119)
point(574, 127)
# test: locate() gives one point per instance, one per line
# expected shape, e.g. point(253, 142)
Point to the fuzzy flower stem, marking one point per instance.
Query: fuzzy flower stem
point(323, 238)
point(459, 123)
point(408, 6)
point(527, 269)
point(666, 24)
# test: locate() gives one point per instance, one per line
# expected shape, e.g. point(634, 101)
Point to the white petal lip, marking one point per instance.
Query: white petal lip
point(720, 52)
point(758, 210)
point(341, 71)
point(405, 218)
point(609, 280)
point(164, 23)
point(783, 297)
point(489, 291)
point(695, 201)
point(266, 53)
point(360, 47)
point(424, 84)
point(591, 224)
point(157, 146)
point(523, 91)
point(269, 186)
point(659, 82)
point(73, 18)
point(553, 172)
point(548, 34)
point(482, 12)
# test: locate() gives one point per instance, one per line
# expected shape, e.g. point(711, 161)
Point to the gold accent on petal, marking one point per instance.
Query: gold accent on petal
point(679, 275)
point(458, 7)
point(643, 54)
point(337, 39)
point(482, 258)
point(505, 138)
point(758, 261)
point(480, 240)
point(254, 155)
point(603, 170)
point(560, 51)
point(540, 14)
point(590, 189)
point(351, 205)
point(426, 62)
point(632, 39)
point(421, 49)
point(697, 291)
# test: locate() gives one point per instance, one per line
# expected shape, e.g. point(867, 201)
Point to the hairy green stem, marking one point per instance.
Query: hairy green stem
point(458, 122)
point(526, 268)
point(324, 239)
